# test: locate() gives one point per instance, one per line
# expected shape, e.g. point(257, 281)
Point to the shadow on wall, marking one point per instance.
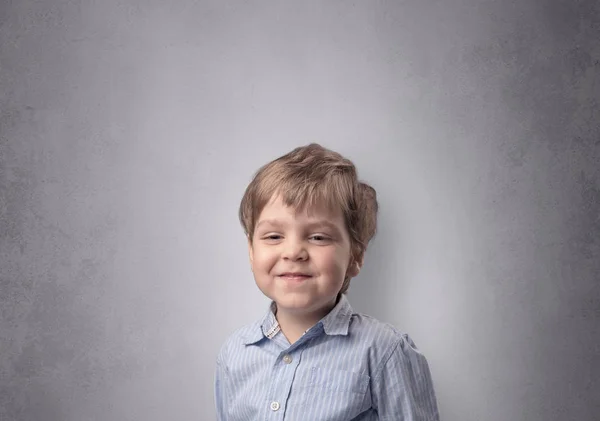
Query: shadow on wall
point(378, 290)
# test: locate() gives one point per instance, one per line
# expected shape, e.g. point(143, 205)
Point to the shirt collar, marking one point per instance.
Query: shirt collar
point(336, 322)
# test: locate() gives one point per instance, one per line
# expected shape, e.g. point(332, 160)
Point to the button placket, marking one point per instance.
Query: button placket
point(284, 371)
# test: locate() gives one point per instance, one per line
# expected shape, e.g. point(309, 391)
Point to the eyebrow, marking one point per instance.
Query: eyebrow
point(311, 225)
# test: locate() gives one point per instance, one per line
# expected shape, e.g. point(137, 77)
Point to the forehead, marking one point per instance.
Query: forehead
point(276, 209)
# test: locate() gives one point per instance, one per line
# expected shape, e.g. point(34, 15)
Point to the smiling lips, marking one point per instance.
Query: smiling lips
point(294, 276)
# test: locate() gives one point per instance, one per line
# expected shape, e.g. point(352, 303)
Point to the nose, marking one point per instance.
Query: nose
point(294, 250)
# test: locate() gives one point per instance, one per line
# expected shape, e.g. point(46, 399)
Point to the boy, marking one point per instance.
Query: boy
point(308, 221)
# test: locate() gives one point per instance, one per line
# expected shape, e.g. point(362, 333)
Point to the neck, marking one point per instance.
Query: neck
point(294, 324)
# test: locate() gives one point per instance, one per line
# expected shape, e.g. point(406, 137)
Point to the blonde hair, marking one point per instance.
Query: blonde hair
point(311, 175)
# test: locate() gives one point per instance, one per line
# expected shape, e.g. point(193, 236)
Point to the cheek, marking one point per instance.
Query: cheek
point(334, 261)
point(264, 259)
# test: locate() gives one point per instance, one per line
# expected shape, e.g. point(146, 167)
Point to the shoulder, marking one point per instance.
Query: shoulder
point(383, 339)
point(373, 330)
point(238, 340)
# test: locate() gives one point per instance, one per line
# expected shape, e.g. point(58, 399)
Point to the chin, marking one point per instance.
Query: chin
point(304, 304)
point(298, 303)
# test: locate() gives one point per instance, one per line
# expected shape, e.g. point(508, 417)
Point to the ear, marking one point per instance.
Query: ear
point(250, 252)
point(355, 266)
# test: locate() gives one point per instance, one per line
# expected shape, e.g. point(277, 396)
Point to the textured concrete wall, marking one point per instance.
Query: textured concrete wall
point(129, 130)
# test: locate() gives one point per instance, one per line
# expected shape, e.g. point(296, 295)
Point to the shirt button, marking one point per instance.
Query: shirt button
point(287, 359)
point(274, 406)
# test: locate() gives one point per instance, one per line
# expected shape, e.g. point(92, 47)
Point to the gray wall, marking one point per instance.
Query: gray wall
point(129, 130)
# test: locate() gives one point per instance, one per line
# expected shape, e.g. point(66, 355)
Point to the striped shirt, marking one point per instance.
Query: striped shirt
point(348, 366)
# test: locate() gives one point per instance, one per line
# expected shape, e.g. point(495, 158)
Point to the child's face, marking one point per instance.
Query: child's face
point(300, 259)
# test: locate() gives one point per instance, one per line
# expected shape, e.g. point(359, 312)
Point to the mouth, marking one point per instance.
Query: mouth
point(294, 276)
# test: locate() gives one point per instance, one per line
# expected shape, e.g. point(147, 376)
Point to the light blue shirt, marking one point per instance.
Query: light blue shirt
point(347, 367)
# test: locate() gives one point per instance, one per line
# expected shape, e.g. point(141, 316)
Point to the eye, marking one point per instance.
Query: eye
point(320, 238)
point(272, 237)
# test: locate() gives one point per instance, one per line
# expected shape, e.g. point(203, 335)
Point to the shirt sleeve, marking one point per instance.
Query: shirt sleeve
point(221, 393)
point(402, 389)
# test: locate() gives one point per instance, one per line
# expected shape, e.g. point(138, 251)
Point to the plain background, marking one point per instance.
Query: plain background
point(129, 130)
